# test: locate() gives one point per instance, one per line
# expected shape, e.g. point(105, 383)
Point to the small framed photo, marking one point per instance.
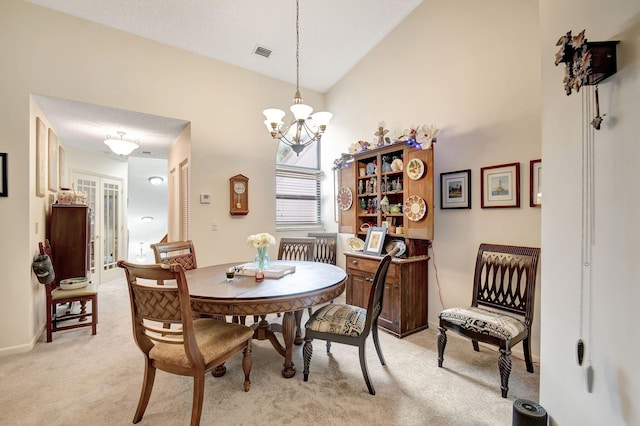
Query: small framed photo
point(4, 187)
point(535, 183)
point(375, 240)
point(455, 190)
point(500, 186)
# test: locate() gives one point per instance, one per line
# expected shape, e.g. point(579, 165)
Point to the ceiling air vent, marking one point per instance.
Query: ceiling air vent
point(262, 51)
point(146, 152)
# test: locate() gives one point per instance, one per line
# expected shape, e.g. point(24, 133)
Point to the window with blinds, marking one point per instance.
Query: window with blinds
point(298, 197)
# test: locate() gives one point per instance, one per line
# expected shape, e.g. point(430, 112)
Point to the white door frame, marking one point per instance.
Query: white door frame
point(111, 227)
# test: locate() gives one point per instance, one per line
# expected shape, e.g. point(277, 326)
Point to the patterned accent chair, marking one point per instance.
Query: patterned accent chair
point(348, 324)
point(501, 311)
point(193, 347)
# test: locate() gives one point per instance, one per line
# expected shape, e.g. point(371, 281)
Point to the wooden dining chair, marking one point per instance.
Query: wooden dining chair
point(348, 324)
point(193, 348)
point(182, 252)
point(297, 248)
point(501, 311)
point(326, 246)
point(61, 317)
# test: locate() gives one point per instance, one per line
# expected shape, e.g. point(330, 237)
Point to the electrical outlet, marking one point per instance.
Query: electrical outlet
point(214, 226)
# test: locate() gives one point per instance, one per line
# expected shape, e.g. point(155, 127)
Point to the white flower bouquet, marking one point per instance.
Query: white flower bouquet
point(261, 240)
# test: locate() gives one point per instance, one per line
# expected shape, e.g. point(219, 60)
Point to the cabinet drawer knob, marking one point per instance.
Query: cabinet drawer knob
point(396, 286)
point(355, 262)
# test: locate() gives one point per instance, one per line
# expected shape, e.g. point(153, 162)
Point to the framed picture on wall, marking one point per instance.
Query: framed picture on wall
point(375, 240)
point(455, 190)
point(500, 186)
point(535, 183)
point(4, 187)
point(53, 160)
point(41, 150)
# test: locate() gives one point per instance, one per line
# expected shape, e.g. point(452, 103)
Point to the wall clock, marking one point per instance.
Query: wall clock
point(238, 195)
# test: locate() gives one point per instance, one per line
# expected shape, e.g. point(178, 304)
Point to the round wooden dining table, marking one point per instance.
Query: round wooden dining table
point(311, 283)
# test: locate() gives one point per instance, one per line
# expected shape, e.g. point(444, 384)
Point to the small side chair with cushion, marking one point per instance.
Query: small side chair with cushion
point(348, 324)
point(61, 317)
point(193, 348)
point(501, 311)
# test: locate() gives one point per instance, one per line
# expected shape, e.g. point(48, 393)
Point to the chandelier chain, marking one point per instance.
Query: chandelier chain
point(297, 46)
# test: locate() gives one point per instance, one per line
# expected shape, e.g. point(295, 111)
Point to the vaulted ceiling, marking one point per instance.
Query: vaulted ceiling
point(334, 36)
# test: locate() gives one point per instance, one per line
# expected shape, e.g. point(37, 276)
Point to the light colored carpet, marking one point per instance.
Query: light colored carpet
point(80, 379)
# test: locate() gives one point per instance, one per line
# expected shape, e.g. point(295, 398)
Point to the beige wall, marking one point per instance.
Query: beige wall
point(482, 88)
point(52, 54)
point(613, 344)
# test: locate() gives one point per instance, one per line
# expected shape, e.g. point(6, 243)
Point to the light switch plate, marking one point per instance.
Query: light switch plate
point(205, 199)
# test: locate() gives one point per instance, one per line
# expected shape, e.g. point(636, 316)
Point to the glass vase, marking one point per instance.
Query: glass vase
point(262, 259)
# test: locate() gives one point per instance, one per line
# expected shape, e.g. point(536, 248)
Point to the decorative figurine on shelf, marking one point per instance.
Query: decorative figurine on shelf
point(363, 205)
point(360, 187)
point(373, 185)
point(380, 133)
point(368, 187)
point(371, 168)
point(370, 207)
point(384, 204)
point(384, 186)
point(386, 164)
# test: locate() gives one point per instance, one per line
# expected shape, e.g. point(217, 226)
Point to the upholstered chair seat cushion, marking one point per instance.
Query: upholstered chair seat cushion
point(59, 293)
point(484, 321)
point(214, 339)
point(340, 319)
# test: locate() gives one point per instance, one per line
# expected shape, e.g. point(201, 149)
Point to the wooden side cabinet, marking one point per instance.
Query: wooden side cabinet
point(404, 308)
point(68, 233)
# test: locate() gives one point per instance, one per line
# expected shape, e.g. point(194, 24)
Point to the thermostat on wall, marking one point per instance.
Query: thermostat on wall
point(205, 199)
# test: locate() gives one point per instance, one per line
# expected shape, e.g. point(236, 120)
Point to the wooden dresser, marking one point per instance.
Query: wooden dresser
point(404, 308)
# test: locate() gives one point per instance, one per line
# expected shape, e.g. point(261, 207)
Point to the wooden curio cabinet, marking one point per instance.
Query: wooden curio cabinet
point(377, 185)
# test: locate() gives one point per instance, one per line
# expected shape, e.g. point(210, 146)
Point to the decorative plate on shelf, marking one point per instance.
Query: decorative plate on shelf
point(396, 243)
point(415, 208)
point(344, 198)
point(415, 169)
point(355, 244)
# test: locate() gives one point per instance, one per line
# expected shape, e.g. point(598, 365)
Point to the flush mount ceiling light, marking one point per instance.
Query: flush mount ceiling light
point(122, 146)
point(305, 128)
point(147, 218)
point(156, 180)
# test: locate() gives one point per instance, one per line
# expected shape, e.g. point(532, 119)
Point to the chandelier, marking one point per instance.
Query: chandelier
point(305, 128)
point(122, 146)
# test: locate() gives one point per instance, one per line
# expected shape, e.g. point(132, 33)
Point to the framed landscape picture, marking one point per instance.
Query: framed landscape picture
point(375, 240)
point(500, 186)
point(535, 183)
point(455, 190)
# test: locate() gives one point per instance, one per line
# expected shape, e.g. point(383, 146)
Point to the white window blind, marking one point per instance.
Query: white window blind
point(297, 196)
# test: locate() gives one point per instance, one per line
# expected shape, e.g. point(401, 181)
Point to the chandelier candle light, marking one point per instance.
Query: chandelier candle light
point(306, 127)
